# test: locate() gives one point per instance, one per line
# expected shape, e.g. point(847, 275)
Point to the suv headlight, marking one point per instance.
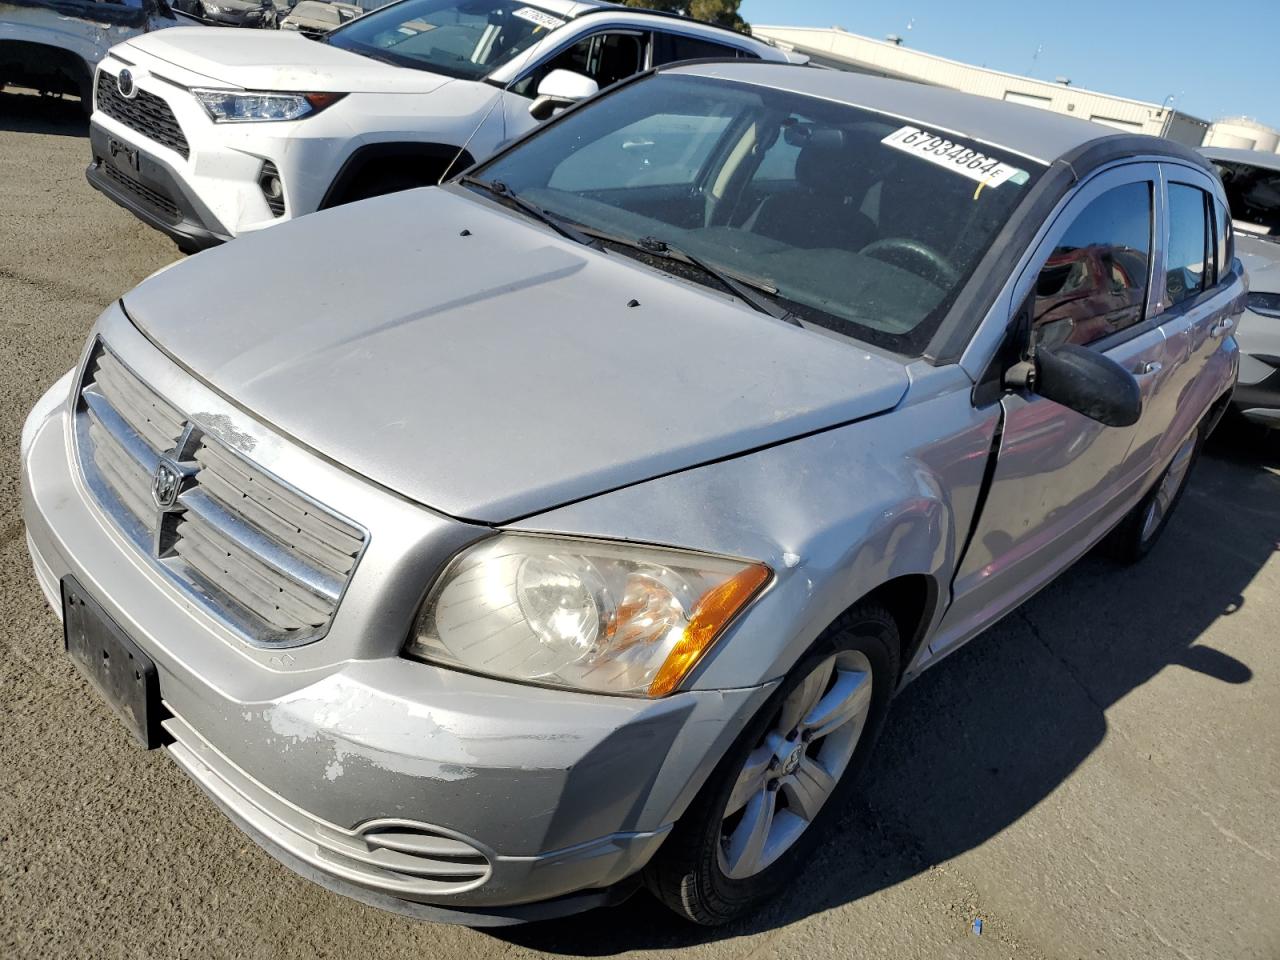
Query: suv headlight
point(1267, 304)
point(230, 106)
point(604, 617)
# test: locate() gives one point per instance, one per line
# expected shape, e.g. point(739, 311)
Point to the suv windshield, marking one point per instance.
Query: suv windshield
point(1253, 193)
point(468, 39)
point(852, 220)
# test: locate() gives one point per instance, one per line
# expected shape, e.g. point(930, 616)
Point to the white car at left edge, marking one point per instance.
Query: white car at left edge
point(206, 135)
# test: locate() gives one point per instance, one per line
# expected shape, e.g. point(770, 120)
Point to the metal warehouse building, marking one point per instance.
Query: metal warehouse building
point(837, 48)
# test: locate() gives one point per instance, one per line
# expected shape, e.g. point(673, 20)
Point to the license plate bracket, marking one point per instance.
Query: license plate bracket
point(124, 157)
point(118, 669)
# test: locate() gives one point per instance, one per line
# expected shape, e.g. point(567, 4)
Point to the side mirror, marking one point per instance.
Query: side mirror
point(559, 89)
point(1085, 381)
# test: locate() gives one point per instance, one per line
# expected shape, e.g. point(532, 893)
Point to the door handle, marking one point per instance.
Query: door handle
point(1221, 327)
point(1150, 368)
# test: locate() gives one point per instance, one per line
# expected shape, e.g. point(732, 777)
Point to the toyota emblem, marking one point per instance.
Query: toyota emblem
point(166, 484)
point(124, 83)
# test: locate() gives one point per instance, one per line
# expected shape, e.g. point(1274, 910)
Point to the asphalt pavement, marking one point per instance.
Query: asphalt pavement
point(1096, 776)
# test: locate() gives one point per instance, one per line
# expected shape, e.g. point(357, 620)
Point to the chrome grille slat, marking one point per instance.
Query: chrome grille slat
point(288, 506)
point(153, 419)
point(216, 486)
point(219, 522)
point(105, 416)
point(248, 586)
point(123, 475)
point(262, 557)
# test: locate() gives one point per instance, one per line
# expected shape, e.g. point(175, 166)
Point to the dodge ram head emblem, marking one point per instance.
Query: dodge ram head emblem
point(166, 484)
point(124, 83)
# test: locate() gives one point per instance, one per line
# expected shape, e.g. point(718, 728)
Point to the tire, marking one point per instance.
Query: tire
point(1138, 532)
point(368, 187)
point(689, 874)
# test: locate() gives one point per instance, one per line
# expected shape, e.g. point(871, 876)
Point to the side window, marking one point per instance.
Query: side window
point(666, 149)
point(672, 47)
point(1188, 263)
point(604, 57)
point(1095, 281)
point(1224, 246)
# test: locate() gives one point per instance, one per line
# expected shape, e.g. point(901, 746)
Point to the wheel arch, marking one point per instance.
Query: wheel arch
point(371, 157)
point(912, 600)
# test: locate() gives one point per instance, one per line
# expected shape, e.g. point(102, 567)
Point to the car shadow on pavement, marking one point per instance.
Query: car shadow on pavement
point(973, 745)
point(24, 111)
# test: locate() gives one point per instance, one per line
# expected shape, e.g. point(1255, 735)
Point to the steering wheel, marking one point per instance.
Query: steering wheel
point(913, 255)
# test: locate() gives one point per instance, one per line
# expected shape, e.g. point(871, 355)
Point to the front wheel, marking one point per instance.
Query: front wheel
point(759, 818)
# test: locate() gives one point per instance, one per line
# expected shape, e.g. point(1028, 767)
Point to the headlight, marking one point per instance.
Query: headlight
point(229, 106)
point(212, 8)
point(1267, 304)
point(610, 618)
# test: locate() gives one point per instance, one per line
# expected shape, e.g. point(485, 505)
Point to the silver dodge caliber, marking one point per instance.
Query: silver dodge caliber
point(576, 531)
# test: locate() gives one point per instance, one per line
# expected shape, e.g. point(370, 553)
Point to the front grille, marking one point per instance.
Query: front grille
point(264, 558)
point(158, 200)
point(145, 112)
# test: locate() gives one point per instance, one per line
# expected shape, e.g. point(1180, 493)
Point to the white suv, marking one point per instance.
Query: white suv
point(207, 134)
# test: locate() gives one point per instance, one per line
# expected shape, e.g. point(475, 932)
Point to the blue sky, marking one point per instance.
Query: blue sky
point(1216, 59)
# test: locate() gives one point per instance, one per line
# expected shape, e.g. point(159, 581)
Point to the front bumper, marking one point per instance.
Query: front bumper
point(154, 194)
point(556, 796)
point(1257, 395)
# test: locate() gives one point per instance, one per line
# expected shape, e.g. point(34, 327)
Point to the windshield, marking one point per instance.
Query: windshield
point(467, 39)
point(1253, 194)
point(851, 220)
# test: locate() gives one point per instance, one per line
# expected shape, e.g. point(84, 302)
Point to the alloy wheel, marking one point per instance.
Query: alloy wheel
point(788, 778)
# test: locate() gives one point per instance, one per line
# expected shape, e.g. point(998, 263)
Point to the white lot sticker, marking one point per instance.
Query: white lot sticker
point(954, 156)
point(533, 15)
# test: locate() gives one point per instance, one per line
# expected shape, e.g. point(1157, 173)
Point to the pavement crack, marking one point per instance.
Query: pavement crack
point(1066, 664)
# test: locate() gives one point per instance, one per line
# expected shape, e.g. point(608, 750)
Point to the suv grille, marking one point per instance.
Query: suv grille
point(158, 200)
point(146, 113)
point(265, 559)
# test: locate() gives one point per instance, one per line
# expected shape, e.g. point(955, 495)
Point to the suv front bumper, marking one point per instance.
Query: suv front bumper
point(153, 194)
point(561, 796)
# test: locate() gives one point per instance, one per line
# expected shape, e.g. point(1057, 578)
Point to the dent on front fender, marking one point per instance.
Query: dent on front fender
point(835, 515)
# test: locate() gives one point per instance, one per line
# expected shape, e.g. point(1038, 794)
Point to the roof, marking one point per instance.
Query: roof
point(1036, 134)
point(1254, 158)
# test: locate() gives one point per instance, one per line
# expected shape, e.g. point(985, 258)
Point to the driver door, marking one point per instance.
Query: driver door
point(1062, 480)
point(606, 56)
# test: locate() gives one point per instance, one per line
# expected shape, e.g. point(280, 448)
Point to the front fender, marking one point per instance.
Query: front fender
point(835, 515)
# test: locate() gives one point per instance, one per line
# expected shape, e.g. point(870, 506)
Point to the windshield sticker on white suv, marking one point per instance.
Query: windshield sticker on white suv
point(534, 15)
point(956, 157)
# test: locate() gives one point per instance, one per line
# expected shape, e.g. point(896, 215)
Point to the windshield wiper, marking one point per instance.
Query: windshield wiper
point(748, 289)
point(559, 225)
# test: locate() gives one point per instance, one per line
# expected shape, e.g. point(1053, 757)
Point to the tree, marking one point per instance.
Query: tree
point(723, 13)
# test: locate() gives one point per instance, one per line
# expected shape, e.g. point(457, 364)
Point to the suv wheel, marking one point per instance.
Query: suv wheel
point(760, 816)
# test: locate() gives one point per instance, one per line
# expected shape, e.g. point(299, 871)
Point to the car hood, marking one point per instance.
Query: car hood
point(1261, 260)
point(278, 60)
point(477, 363)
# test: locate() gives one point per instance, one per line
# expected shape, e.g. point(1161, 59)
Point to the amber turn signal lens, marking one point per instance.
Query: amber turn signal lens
point(710, 616)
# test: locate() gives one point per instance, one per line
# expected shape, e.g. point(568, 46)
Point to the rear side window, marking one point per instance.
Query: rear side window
point(1190, 244)
point(1224, 246)
point(671, 47)
point(1095, 281)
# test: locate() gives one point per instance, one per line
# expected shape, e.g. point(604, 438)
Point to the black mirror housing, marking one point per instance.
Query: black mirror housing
point(1089, 383)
